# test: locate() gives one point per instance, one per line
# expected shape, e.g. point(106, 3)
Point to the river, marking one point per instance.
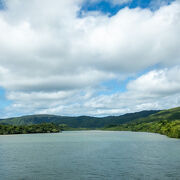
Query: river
point(89, 155)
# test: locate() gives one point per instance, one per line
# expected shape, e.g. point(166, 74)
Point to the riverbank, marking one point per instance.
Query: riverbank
point(170, 129)
point(29, 129)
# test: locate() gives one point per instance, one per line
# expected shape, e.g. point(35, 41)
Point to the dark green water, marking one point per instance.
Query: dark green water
point(81, 155)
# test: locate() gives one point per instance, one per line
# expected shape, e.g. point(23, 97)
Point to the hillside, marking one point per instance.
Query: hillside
point(165, 122)
point(168, 115)
point(77, 122)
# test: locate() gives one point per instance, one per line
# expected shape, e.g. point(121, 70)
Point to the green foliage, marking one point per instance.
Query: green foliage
point(165, 122)
point(169, 115)
point(171, 129)
point(40, 128)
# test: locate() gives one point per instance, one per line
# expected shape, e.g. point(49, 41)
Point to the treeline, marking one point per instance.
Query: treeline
point(29, 129)
point(170, 129)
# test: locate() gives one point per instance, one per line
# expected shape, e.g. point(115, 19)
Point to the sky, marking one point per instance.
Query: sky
point(88, 57)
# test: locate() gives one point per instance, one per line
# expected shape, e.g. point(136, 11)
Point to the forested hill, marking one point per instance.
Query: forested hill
point(77, 122)
point(168, 115)
point(165, 122)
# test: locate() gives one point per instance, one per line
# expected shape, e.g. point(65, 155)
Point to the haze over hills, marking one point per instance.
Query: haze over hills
point(78, 122)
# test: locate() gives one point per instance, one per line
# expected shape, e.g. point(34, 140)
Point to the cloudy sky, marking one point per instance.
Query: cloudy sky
point(88, 57)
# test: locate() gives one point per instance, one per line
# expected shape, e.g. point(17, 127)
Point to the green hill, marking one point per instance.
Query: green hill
point(168, 115)
point(165, 122)
point(77, 122)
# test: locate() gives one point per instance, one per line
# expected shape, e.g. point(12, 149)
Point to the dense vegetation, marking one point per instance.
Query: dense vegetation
point(169, 115)
point(171, 129)
point(77, 122)
point(28, 129)
point(165, 122)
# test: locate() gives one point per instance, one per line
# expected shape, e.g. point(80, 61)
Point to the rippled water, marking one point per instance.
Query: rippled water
point(81, 155)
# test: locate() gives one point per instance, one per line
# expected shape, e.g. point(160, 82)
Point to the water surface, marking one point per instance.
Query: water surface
point(91, 155)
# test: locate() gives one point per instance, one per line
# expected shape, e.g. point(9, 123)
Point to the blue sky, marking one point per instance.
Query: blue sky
point(109, 8)
point(3, 101)
point(57, 63)
point(1, 4)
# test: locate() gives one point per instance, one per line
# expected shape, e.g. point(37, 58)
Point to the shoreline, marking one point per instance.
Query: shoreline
point(108, 130)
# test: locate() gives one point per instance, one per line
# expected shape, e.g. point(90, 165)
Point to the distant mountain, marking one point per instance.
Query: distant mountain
point(165, 122)
point(78, 122)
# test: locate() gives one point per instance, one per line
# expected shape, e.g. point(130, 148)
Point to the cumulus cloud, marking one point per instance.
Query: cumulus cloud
point(158, 82)
point(46, 48)
point(157, 89)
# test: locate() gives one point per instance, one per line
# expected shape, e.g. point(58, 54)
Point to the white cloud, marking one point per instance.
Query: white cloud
point(157, 89)
point(54, 82)
point(46, 48)
point(158, 82)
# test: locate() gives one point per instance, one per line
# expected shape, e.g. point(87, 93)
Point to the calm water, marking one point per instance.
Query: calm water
point(91, 155)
